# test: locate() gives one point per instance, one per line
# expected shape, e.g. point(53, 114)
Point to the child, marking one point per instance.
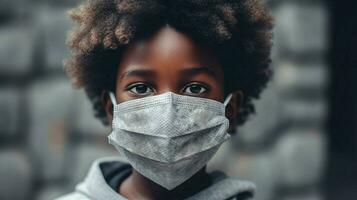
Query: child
point(169, 77)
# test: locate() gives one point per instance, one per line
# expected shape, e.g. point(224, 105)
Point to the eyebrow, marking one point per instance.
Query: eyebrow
point(198, 70)
point(137, 72)
point(189, 72)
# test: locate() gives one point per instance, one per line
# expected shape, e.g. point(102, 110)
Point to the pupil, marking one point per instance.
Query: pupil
point(195, 89)
point(141, 88)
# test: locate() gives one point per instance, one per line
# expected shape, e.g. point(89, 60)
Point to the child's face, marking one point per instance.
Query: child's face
point(168, 61)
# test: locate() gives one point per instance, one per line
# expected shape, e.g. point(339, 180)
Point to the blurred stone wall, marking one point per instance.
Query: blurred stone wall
point(49, 137)
point(283, 147)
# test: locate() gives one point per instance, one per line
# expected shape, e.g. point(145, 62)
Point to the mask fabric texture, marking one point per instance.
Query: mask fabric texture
point(168, 137)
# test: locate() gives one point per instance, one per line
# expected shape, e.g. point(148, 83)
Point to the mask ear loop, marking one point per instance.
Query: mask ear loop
point(228, 98)
point(112, 98)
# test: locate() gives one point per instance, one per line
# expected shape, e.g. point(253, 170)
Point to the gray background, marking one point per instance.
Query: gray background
point(49, 137)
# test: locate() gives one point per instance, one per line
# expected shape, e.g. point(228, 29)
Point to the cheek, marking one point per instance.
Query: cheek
point(121, 92)
point(123, 96)
point(218, 93)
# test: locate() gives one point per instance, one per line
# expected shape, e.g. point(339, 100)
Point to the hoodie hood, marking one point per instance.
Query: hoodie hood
point(95, 187)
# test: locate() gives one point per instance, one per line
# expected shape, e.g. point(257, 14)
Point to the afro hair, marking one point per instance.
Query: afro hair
point(239, 31)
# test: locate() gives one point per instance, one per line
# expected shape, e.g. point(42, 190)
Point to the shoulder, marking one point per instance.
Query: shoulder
point(95, 186)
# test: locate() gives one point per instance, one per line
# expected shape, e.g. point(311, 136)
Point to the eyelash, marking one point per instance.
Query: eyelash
point(150, 87)
point(204, 86)
point(134, 85)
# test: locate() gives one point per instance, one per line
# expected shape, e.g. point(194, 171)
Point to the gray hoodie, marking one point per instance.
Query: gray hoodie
point(94, 187)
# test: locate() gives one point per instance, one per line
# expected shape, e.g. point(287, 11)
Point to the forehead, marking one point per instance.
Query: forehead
point(168, 49)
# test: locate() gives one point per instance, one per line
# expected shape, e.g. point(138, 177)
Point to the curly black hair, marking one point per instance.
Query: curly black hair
point(239, 31)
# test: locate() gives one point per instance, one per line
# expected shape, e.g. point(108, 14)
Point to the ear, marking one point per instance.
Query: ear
point(108, 106)
point(232, 109)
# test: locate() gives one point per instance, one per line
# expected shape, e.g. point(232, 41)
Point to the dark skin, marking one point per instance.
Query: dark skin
point(168, 61)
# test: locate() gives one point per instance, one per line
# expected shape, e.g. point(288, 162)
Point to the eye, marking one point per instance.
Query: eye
point(140, 89)
point(195, 88)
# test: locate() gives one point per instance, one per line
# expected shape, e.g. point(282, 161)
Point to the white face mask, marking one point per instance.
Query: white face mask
point(168, 137)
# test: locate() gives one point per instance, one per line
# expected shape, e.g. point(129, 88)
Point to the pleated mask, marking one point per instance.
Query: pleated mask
point(168, 137)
